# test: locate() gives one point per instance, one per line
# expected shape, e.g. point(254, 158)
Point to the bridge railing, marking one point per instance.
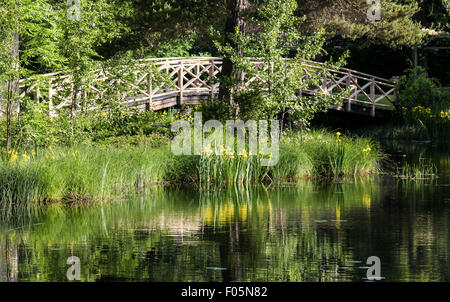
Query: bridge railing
point(197, 76)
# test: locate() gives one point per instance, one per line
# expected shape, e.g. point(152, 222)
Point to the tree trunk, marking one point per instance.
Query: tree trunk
point(12, 91)
point(235, 19)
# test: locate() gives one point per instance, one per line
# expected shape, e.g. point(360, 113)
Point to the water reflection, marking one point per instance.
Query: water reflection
point(310, 232)
point(307, 232)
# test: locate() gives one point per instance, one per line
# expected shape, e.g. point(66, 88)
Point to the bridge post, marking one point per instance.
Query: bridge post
point(37, 95)
point(372, 97)
point(349, 85)
point(180, 82)
point(51, 92)
point(149, 103)
point(197, 74)
point(211, 76)
point(325, 85)
point(396, 79)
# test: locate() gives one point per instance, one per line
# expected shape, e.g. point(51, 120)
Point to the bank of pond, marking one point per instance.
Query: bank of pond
point(125, 226)
point(90, 173)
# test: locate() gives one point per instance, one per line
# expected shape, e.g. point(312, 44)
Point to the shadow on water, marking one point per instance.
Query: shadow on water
point(307, 232)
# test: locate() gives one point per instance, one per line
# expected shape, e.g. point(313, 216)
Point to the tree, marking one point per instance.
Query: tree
point(434, 14)
point(9, 60)
point(51, 39)
point(348, 18)
point(235, 22)
point(281, 78)
point(26, 21)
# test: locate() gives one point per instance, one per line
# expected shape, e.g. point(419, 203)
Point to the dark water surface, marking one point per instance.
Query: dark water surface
point(306, 232)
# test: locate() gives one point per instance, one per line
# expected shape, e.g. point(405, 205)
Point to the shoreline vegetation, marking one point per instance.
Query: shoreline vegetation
point(86, 174)
point(422, 110)
point(65, 152)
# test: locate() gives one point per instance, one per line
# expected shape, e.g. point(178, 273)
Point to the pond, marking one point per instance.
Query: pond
point(309, 231)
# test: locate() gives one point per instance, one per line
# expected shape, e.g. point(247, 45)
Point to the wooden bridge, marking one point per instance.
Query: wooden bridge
point(193, 79)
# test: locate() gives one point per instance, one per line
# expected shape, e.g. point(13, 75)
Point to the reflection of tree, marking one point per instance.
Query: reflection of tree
point(310, 232)
point(9, 261)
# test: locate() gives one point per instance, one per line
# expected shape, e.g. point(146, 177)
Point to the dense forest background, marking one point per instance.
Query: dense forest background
point(78, 37)
point(156, 28)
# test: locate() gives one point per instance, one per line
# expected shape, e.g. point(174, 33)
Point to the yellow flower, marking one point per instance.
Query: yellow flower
point(25, 157)
point(367, 149)
point(13, 157)
point(338, 134)
point(207, 150)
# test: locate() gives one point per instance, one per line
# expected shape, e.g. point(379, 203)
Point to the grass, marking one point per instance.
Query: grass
point(88, 174)
point(383, 101)
point(423, 170)
point(418, 131)
point(332, 155)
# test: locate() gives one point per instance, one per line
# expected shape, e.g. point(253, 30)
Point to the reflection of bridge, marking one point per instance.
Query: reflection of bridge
point(195, 78)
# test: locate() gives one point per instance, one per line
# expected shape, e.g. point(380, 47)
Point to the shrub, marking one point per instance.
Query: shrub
point(422, 90)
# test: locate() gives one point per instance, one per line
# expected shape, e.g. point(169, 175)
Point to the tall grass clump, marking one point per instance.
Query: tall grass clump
point(89, 174)
point(294, 163)
point(424, 169)
point(335, 155)
point(19, 186)
point(84, 173)
point(227, 167)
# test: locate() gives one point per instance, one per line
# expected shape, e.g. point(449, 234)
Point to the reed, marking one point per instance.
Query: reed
point(422, 170)
point(87, 174)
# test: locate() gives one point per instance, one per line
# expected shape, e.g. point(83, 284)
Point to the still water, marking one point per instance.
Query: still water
point(305, 232)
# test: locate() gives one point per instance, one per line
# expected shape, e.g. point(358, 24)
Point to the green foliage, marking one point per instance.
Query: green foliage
point(213, 109)
point(98, 173)
point(423, 104)
point(348, 19)
point(251, 104)
point(332, 155)
point(424, 169)
point(418, 91)
point(280, 77)
point(19, 187)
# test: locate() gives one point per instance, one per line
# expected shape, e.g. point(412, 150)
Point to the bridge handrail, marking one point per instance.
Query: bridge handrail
point(189, 80)
point(162, 61)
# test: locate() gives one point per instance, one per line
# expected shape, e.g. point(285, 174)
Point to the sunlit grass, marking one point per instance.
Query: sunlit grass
point(88, 174)
point(424, 169)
